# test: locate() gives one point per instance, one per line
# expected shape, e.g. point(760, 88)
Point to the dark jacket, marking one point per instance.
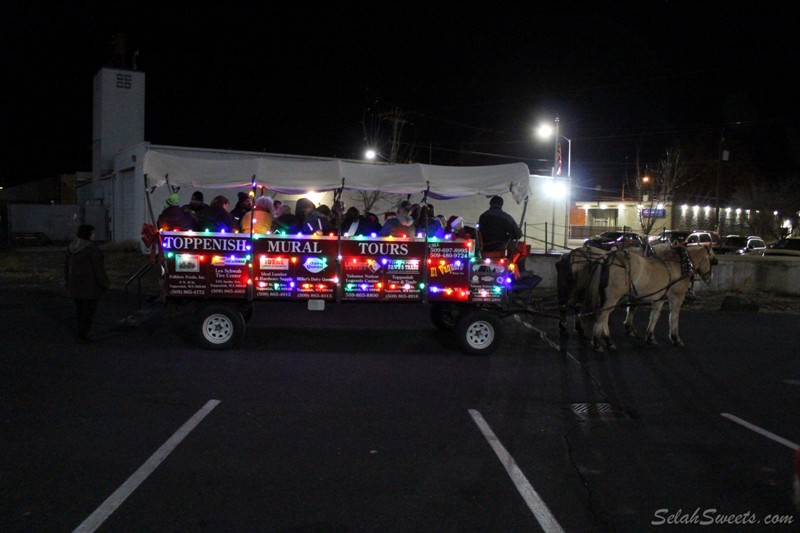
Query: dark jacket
point(287, 223)
point(317, 222)
point(237, 213)
point(435, 228)
point(175, 218)
point(196, 210)
point(398, 226)
point(84, 270)
point(497, 228)
point(215, 218)
point(369, 224)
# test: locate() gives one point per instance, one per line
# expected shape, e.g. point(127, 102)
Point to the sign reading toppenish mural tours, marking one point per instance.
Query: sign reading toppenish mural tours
point(307, 268)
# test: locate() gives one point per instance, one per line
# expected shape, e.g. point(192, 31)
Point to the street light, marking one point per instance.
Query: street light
point(374, 155)
point(645, 183)
point(545, 131)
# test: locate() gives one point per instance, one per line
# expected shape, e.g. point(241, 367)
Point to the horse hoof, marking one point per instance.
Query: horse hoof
point(612, 347)
point(677, 342)
point(652, 341)
point(631, 333)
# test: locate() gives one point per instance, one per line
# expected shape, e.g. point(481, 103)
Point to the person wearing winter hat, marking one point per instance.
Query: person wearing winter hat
point(456, 226)
point(497, 228)
point(196, 208)
point(174, 217)
point(85, 278)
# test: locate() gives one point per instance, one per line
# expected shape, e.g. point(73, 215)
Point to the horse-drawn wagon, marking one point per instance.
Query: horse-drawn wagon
point(226, 274)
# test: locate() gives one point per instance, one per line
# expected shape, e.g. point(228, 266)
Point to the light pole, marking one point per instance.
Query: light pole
point(721, 156)
point(544, 131)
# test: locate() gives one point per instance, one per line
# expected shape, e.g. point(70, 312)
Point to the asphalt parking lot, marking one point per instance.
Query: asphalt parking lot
point(364, 421)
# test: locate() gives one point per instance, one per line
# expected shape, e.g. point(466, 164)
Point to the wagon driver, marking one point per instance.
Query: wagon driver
point(497, 228)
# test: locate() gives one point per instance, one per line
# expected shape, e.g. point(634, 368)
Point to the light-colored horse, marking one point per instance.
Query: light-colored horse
point(635, 278)
point(574, 271)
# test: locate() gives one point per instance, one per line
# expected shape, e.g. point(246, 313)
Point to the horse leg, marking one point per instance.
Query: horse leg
point(565, 294)
point(607, 335)
point(630, 329)
point(655, 312)
point(674, 313)
point(600, 332)
point(562, 318)
point(582, 323)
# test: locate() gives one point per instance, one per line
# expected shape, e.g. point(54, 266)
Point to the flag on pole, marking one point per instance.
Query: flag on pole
point(558, 159)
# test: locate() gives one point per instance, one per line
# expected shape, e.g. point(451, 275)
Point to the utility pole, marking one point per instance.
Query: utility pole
point(396, 118)
point(722, 155)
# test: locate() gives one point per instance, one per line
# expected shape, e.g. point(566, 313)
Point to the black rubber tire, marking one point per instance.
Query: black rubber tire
point(247, 311)
point(444, 316)
point(218, 326)
point(479, 332)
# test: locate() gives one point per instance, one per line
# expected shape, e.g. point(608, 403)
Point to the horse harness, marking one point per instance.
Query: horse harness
point(687, 271)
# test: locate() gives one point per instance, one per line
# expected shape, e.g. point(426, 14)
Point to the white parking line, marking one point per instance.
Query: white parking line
point(761, 431)
point(531, 497)
point(121, 494)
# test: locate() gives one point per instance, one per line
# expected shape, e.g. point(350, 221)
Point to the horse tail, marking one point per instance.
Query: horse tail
point(564, 278)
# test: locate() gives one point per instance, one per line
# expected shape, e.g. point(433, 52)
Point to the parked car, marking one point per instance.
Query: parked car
point(671, 236)
point(615, 240)
point(738, 244)
point(787, 246)
point(702, 238)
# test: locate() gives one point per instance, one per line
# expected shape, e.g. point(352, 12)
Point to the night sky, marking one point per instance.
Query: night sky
point(471, 82)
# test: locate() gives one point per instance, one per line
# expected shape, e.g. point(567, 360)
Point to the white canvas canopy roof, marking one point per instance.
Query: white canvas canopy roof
point(298, 176)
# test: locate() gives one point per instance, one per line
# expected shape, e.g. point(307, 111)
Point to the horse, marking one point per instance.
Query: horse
point(665, 276)
point(573, 271)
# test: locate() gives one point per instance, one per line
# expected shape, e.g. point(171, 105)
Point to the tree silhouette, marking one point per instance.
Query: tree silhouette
point(669, 174)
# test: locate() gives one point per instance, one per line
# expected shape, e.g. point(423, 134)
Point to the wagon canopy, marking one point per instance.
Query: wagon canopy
point(298, 176)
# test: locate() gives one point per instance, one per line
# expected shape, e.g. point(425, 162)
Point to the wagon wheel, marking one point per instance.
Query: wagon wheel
point(218, 326)
point(479, 332)
point(444, 316)
point(247, 311)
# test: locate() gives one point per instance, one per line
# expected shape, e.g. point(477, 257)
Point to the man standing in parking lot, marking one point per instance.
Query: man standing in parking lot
point(85, 278)
point(496, 227)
